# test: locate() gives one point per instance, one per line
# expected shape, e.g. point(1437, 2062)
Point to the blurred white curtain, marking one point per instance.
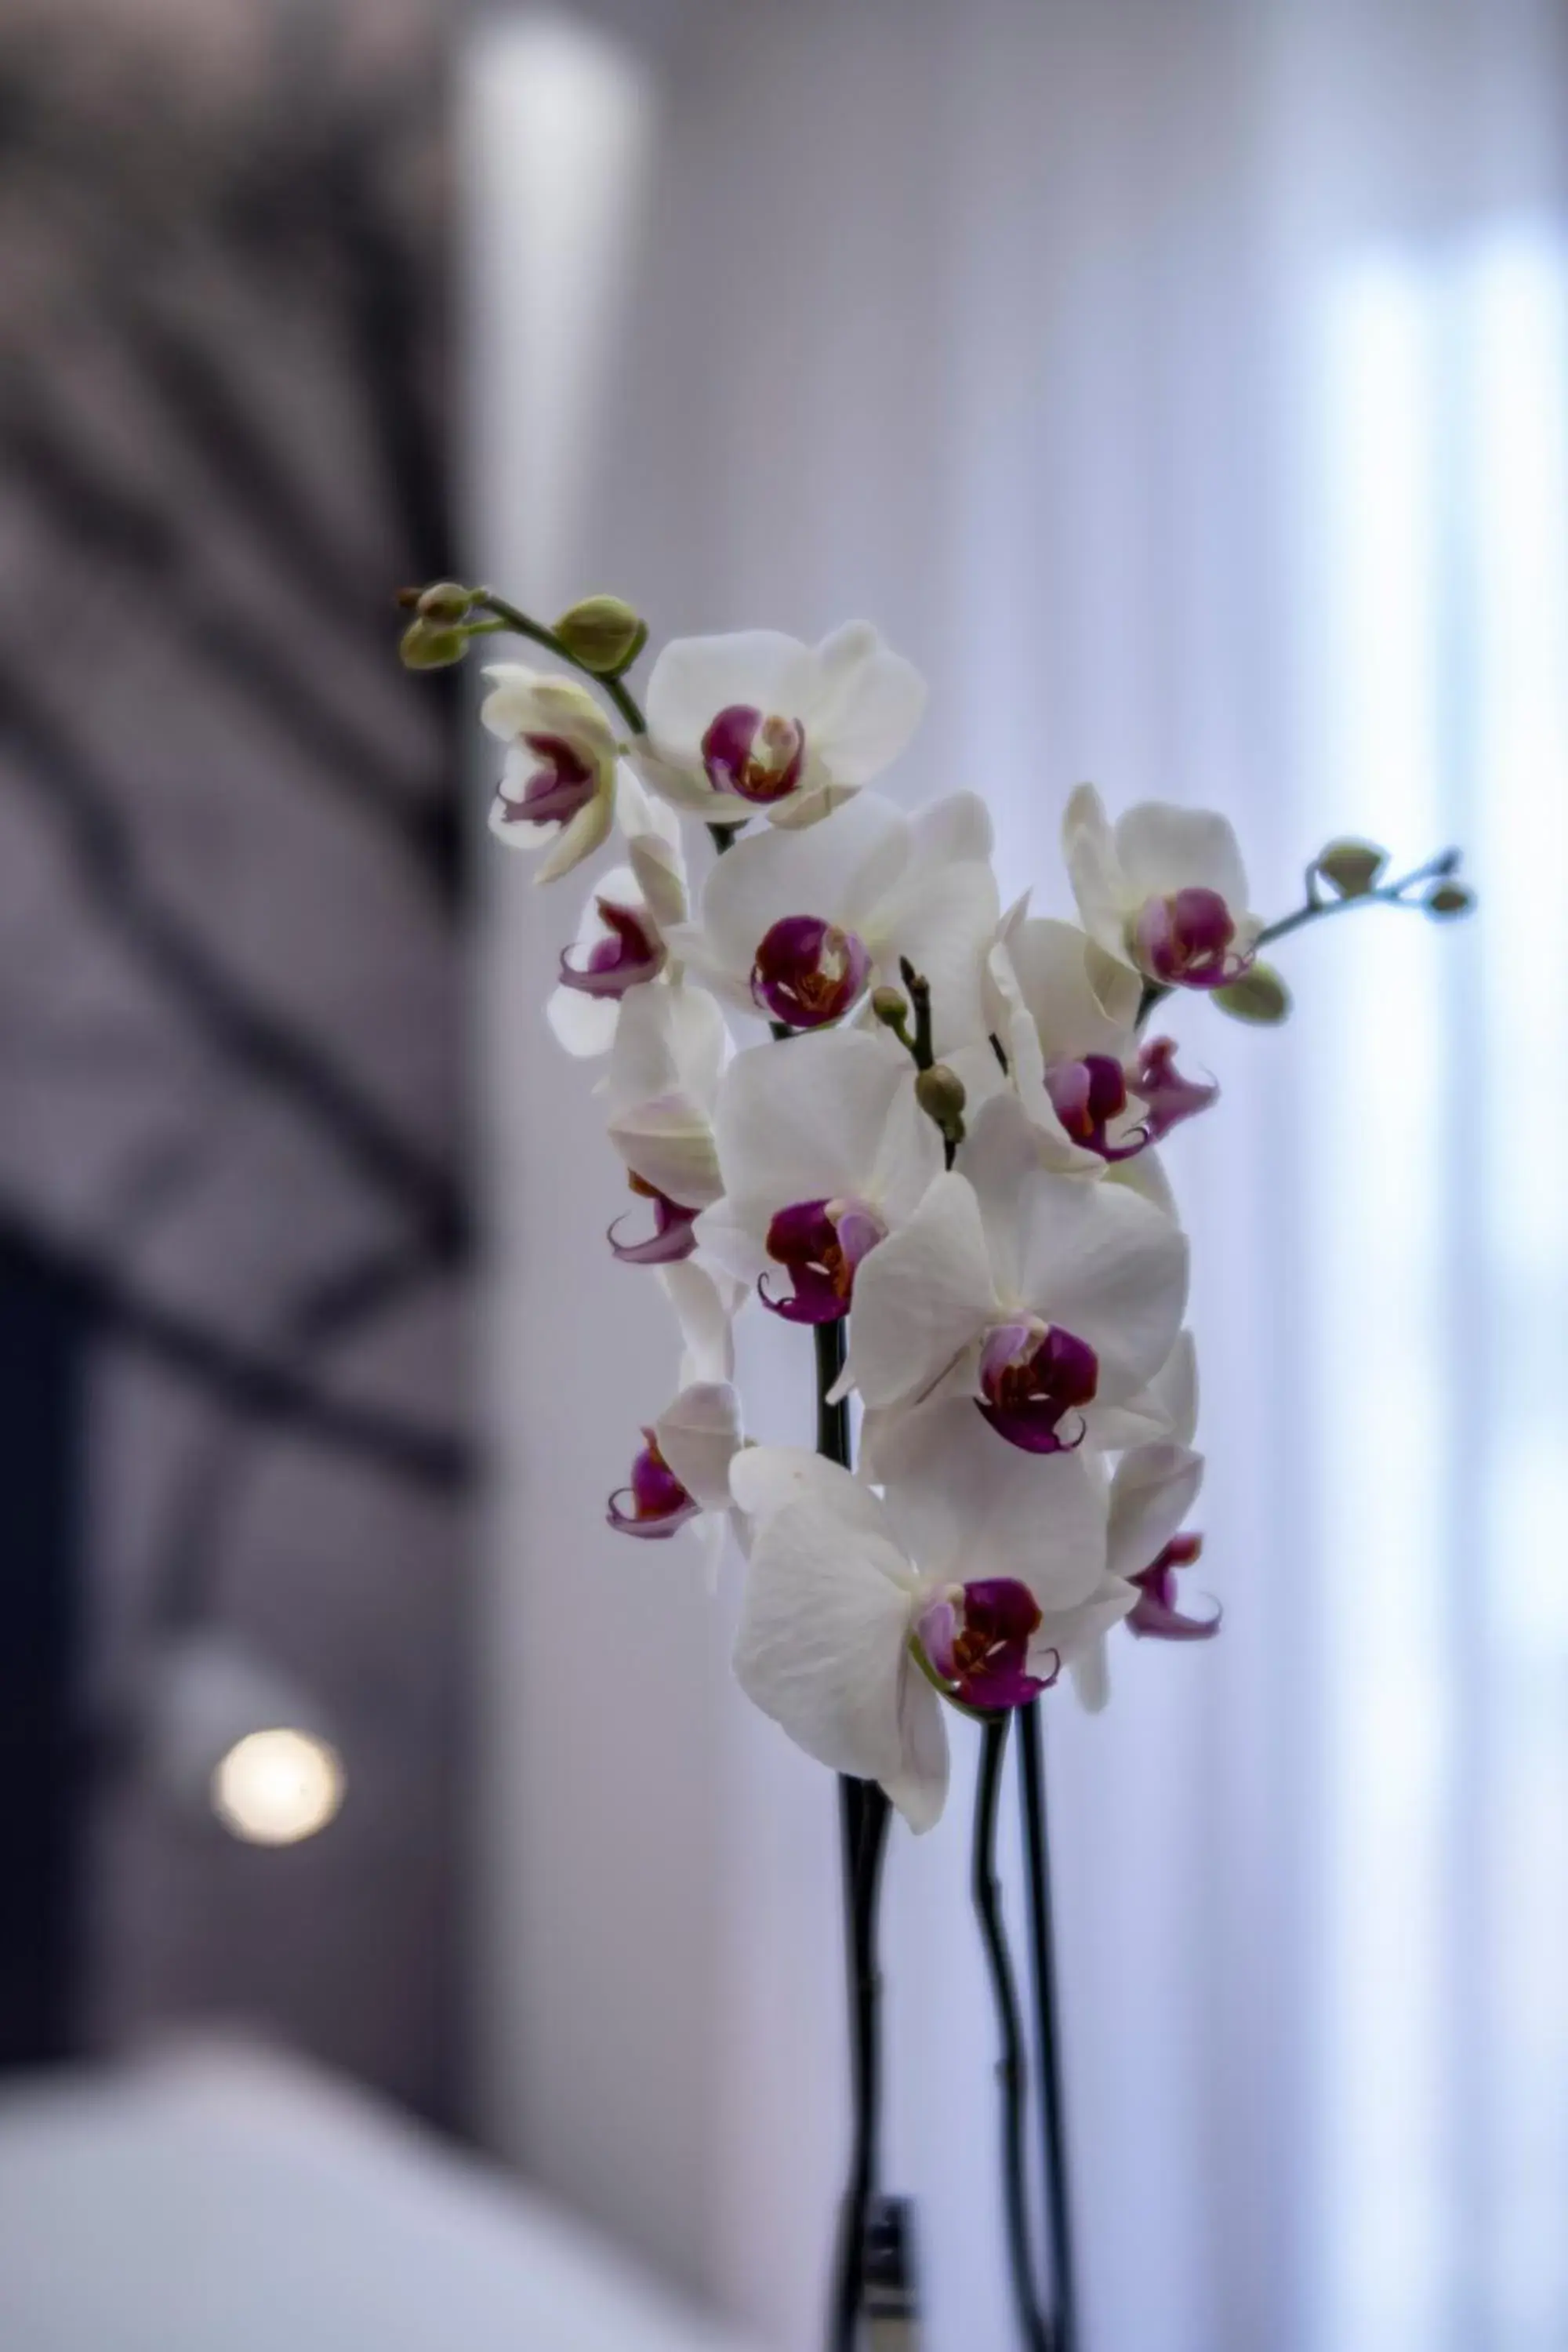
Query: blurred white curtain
point(1183, 383)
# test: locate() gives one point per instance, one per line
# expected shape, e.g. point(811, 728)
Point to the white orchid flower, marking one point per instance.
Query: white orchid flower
point(861, 1612)
point(1065, 1012)
point(1049, 1302)
point(1165, 890)
point(797, 925)
point(822, 1150)
point(621, 941)
point(681, 1477)
point(1151, 1494)
point(558, 786)
point(661, 1089)
point(758, 720)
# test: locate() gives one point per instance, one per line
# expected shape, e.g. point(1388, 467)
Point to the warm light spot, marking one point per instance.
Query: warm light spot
point(276, 1787)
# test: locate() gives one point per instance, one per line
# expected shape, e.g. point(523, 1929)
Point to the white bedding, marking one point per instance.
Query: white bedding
point(223, 2200)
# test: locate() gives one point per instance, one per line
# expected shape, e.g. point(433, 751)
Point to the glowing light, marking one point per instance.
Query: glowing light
point(278, 1787)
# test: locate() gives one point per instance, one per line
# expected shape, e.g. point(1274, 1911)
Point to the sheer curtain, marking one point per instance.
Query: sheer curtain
point(1183, 383)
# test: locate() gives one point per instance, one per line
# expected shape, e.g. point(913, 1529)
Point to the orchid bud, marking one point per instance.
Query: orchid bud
point(1352, 867)
point(940, 1095)
point(425, 646)
point(602, 633)
point(1449, 900)
point(445, 599)
point(1259, 996)
point(893, 1010)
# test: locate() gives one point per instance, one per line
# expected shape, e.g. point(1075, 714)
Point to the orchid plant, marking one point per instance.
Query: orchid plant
point(853, 1092)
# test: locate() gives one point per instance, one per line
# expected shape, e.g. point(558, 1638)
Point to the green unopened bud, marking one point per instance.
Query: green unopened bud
point(445, 599)
point(940, 1094)
point(1450, 900)
point(1352, 867)
point(424, 646)
point(889, 1007)
point(602, 634)
point(1258, 995)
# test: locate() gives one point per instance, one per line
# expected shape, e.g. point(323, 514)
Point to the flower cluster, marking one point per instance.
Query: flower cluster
point(850, 1090)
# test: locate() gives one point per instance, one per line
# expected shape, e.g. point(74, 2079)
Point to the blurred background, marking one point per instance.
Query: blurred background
point(1184, 385)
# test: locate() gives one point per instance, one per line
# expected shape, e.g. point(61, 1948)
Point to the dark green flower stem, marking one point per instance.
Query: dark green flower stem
point(1010, 2071)
point(1047, 2032)
point(864, 1814)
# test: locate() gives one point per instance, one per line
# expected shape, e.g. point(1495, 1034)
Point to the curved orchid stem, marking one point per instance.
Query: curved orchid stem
point(520, 626)
point(1047, 2032)
point(987, 1892)
point(1315, 908)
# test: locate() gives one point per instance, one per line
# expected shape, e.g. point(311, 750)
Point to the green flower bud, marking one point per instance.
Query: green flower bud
point(445, 599)
point(1450, 900)
point(1352, 867)
point(1260, 995)
point(889, 1007)
point(424, 646)
point(940, 1094)
point(602, 634)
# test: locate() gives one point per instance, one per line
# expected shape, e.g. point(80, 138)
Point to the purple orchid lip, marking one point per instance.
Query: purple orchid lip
point(1087, 1095)
point(630, 955)
point(759, 759)
point(1032, 1375)
point(660, 1502)
point(820, 1243)
point(977, 1639)
point(563, 784)
point(1154, 1615)
point(1186, 941)
point(1168, 1097)
point(808, 971)
point(674, 1232)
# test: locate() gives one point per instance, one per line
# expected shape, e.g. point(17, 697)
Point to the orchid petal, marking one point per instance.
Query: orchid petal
point(705, 1310)
point(820, 1122)
point(693, 679)
point(585, 1026)
point(1144, 1175)
point(522, 701)
point(942, 919)
point(588, 830)
point(1090, 1673)
point(1106, 1266)
point(1000, 1155)
point(672, 1039)
point(773, 875)
point(967, 1505)
point(1163, 848)
point(865, 706)
point(1153, 1492)
point(823, 1649)
point(1082, 1000)
point(1066, 1635)
point(767, 1479)
point(1088, 848)
point(1174, 1391)
point(699, 1436)
point(921, 1297)
point(670, 1144)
